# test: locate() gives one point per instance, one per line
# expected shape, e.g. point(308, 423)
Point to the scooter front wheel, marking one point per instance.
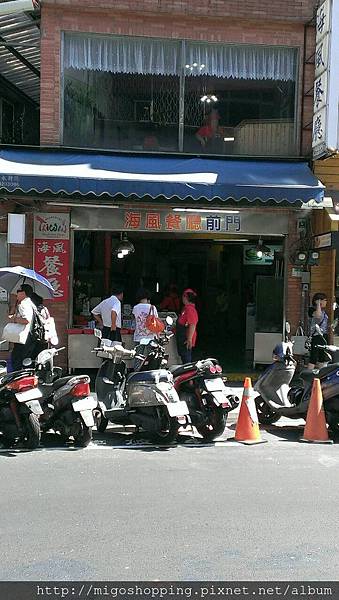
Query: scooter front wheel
point(266, 414)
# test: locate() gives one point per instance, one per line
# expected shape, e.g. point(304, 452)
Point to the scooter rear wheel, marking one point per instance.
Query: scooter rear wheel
point(217, 418)
point(84, 437)
point(32, 431)
point(266, 415)
point(100, 421)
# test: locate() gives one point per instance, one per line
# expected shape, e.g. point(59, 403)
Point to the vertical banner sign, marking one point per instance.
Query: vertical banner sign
point(51, 251)
point(326, 82)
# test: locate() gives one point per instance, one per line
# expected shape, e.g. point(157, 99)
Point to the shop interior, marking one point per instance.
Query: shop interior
point(239, 292)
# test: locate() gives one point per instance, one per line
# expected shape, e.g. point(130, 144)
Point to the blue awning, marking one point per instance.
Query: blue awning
point(183, 177)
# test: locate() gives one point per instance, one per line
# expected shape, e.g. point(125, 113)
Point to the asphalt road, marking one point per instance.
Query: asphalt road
point(125, 510)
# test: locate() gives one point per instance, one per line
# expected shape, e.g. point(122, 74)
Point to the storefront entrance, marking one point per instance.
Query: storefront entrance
point(238, 291)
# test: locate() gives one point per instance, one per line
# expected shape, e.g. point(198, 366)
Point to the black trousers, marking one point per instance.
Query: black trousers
point(22, 351)
point(318, 354)
point(114, 336)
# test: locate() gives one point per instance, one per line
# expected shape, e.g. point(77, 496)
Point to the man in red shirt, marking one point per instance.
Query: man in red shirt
point(186, 328)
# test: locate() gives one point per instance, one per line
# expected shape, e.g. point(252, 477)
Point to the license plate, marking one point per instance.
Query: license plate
point(220, 398)
point(215, 385)
point(35, 407)
point(28, 395)
point(87, 403)
point(88, 418)
point(177, 409)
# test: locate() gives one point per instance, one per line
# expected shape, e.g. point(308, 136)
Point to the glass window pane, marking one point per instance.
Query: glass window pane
point(121, 111)
point(244, 117)
point(123, 93)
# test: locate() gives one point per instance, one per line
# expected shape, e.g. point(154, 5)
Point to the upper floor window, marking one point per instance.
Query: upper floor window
point(129, 93)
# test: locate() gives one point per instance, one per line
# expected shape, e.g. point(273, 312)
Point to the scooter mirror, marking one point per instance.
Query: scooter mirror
point(169, 321)
point(287, 327)
point(27, 362)
point(98, 333)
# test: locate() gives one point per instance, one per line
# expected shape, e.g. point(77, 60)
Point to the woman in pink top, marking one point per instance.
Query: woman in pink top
point(186, 328)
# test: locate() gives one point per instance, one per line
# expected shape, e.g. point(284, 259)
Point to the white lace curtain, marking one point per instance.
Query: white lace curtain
point(168, 57)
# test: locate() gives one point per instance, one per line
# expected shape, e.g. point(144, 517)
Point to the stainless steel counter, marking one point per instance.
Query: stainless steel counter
point(81, 344)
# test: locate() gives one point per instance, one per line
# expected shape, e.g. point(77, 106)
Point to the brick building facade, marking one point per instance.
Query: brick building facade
point(252, 22)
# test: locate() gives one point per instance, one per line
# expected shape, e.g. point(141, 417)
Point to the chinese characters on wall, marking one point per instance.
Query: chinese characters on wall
point(143, 220)
point(51, 251)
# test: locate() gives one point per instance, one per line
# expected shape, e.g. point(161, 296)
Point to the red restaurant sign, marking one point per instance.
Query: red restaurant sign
point(51, 251)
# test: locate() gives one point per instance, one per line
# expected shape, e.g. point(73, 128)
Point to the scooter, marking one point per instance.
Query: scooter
point(20, 408)
point(67, 402)
point(146, 399)
point(278, 399)
point(199, 384)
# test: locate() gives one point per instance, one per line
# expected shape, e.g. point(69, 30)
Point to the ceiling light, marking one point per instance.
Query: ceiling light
point(261, 249)
point(228, 139)
point(230, 240)
point(124, 247)
point(207, 210)
point(209, 98)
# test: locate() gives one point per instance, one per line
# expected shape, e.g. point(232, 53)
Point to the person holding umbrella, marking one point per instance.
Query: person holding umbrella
point(23, 315)
point(15, 280)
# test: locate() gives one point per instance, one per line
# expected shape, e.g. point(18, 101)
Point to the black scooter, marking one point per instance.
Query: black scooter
point(67, 403)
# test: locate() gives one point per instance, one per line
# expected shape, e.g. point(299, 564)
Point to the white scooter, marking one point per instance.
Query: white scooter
point(146, 399)
point(276, 396)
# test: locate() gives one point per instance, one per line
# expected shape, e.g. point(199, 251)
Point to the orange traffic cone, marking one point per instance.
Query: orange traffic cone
point(247, 429)
point(315, 429)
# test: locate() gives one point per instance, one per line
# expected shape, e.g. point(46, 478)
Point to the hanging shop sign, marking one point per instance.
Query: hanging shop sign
point(169, 221)
point(323, 241)
point(326, 82)
point(52, 251)
point(327, 241)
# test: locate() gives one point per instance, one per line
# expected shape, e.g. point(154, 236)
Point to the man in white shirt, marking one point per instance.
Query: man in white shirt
point(108, 315)
point(23, 315)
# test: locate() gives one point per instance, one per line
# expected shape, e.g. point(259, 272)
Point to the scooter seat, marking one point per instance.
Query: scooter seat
point(62, 381)
point(308, 375)
point(180, 369)
point(49, 388)
point(8, 377)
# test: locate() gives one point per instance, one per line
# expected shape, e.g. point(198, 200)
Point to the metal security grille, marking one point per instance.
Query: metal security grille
point(144, 98)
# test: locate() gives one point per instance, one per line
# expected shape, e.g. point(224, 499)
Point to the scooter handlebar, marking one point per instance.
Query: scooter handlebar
point(329, 348)
point(117, 351)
